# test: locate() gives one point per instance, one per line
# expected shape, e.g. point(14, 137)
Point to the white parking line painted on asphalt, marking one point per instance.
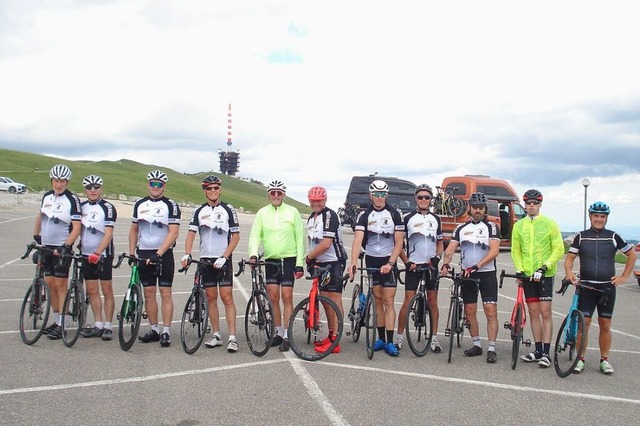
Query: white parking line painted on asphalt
point(136, 379)
point(9, 262)
point(579, 395)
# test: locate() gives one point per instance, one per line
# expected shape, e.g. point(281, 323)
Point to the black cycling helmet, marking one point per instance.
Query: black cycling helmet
point(477, 199)
point(211, 180)
point(423, 187)
point(599, 207)
point(532, 194)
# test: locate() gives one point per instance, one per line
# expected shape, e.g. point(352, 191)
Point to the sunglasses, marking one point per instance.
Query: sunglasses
point(379, 194)
point(92, 186)
point(156, 184)
point(530, 202)
point(423, 197)
point(212, 188)
point(276, 193)
point(481, 206)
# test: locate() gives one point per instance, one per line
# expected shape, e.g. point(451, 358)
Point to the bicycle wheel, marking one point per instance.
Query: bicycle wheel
point(370, 324)
point(436, 205)
point(129, 317)
point(516, 336)
point(193, 326)
point(304, 332)
point(457, 207)
point(565, 351)
point(258, 323)
point(34, 311)
point(354, 315)
point(452, 322)
point(419, 324)
point(462, 322)
point(72, 318)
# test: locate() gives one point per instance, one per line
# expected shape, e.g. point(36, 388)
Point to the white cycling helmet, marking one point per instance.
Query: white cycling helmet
point(92, 180)
point(276, 185)
point(378, 186)
point(157, 175)
point(60, 171)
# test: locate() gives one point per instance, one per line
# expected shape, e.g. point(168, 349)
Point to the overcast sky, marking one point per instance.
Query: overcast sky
point(542, 94)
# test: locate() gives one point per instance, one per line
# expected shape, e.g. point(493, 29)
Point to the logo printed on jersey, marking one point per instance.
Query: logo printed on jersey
point(58, 207)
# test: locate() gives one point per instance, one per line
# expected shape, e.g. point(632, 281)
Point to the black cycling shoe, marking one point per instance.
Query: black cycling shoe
point(276, 341)
point(473, 351)
point(151, 336)
point(165, 340)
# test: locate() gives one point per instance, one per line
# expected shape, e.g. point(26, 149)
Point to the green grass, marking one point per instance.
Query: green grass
point(129, 178)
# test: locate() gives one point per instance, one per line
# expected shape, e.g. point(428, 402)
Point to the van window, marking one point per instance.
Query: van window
point(519, 211)
point(494, 191)
point(459, 188)
point(400, 192)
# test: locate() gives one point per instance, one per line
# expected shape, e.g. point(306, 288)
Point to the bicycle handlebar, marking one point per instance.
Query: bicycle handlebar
point(258, 263)
point(198, 261)
point(504, 275)
point(35, 246)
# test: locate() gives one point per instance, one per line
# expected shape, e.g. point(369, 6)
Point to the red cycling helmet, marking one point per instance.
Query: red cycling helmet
point(317, 193)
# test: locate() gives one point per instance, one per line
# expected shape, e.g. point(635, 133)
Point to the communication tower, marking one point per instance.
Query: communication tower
point(229, 160)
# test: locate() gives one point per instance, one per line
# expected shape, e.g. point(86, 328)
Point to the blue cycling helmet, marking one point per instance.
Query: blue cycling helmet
point(599, 207)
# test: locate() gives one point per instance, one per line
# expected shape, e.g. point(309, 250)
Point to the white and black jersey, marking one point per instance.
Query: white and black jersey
point(153, 218)
point(56, 214)
point(96, 217)
point(473, 238)
point(379, 230)
point(215, 225)
point(423, 231)
point(326, 224)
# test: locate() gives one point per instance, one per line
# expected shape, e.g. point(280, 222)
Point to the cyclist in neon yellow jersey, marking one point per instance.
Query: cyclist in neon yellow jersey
point(278, 228)
point(536, 248)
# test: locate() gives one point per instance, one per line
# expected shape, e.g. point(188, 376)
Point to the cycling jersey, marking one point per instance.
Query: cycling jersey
point(379, 229)
point(326, 225)
point(215, 225)
point(535, 242)
point(423, 233)
point(56, 214)
point(153, 218)
point(597, 250)
point(96, 216)
point(280, 231)
point(473, 239)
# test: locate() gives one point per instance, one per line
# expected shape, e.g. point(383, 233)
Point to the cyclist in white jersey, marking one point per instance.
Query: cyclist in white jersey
point(154, 231)
point(57, 226)
point(217, 223)
point(98, 219)
point(479, 242)
point(380, 231)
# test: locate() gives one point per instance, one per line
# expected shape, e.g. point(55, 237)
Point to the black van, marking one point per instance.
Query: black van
point(401, 196)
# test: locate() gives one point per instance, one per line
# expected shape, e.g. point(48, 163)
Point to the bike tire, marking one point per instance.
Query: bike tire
point(565, 352)
point(34, 312)
point(195, 317)
point(354, 315)
point(370, 324)
point(436, 205)
point(258, 323)
point(452, 322)
point(130, 317)
point(72, 319)
point(303, 336)
point(419, 325)
point(462, 322)
point(516, 336)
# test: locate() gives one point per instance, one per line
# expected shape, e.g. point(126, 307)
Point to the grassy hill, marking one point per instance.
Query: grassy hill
point(129, 178)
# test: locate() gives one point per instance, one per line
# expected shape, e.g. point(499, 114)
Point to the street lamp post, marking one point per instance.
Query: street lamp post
point(585, 183)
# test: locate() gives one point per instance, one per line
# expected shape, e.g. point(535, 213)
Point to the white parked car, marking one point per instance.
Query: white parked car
point(6, 184)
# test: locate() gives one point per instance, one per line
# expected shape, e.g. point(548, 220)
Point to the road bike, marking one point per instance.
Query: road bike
point(418, 318)
point(76, 303)
point(456, 318)
point(518, 319)
point(348, 214)
point(195, 316)
point(36, 304)
point(309, 320)
point(358, 304)
point(130, 313)
point(445, 202)
point(570, 341)
point(369, 318)
point(258, 320)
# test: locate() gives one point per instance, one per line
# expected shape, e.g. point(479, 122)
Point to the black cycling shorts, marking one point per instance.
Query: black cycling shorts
point(337, 271)
point(283, 275)
point(538, 291)
point(212, 277)
point(148, 273)
point(488, 288)
point(588, 301)
point(50, 266)
point(412, 278)
point(385, 280)
point(98, 271)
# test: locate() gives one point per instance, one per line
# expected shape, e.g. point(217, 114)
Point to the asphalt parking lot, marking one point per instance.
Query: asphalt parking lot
point(95, 382)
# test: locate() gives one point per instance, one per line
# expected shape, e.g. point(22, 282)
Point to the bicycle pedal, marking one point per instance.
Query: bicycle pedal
point(348, 333)
point(144, 315)
point(118, 316)
point(507, 325)
point(447, 332)
point(208, 329)
point(527, 343)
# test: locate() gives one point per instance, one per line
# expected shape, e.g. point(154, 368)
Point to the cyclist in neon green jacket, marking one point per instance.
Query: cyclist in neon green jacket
point(278, 228)
point(536, 248)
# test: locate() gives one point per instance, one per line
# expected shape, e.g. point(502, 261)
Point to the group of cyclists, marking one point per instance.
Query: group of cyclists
point(382, 233)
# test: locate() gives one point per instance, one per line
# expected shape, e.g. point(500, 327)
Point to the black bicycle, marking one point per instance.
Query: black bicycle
point(457, 318)
point(36, 305)
point(76, 303)
point(418, 319)
point(195, 316)
point(258, 319)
